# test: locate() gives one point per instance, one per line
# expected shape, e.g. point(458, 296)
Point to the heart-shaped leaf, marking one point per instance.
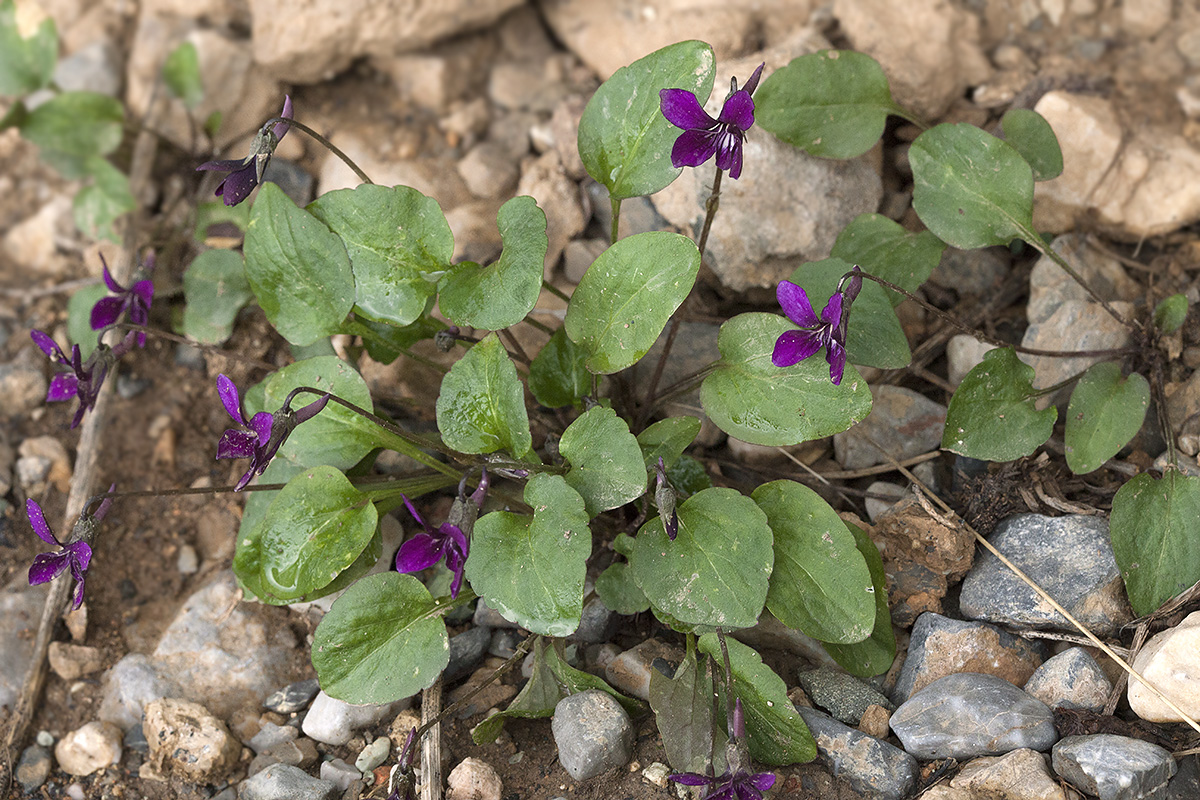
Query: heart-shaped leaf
point(884, 248)
point(215, 288)
point(1031, 134)
point(1105, 412)
point(667, 439)
point(481, 408)
point(992, 416)
point(606, 463)
point(875, 654)
point(1153, 529)
point(27, 62)
point(558, 375)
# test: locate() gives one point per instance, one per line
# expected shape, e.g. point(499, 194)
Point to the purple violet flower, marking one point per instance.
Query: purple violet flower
point(829, 331)
point(246, 173)
point(266, 431)
point(75, 556)
point(737, 783)
point(449, 541)
point(76, 377)
point(134, 301)
point(703, 137)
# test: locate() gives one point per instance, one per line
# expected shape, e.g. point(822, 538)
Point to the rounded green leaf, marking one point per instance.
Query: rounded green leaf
point(1170, 313)
point(619, 591)
point(716, 570)
point(624, 140)
point(884, 248)
point(970, 188)
point(398, 243)
point(831, 104)
point(26, 62)
point(820, 583)
point(1105, 412)
point(874, 337)
point(181, 74)
point(501, 294)
point(749, 397)
point(627, 295)
point(215, 289)
point(992, 416)
point(481, 408)
point(606, 463)
point(531, 570)
point(776, 733)
point(72, 127)
point(875, 654)
point(1153, 529)
point(99, 204)
point(298, 269)
point(667, 439)
point(558, 375)
point(381, 641)
point(315, 528)
point(1031, 134)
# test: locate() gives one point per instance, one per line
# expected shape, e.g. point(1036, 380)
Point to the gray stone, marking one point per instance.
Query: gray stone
point(970, 714)
point(1050, 286)
point(597, 624)
point(95, 67)
point(300, 753)
point(844, 696)
point(1113, 767)
point(1071, 679)
point(1070, 557)
point(488, 171)
point(285, 782)
point(903, 422)
point(593, 734)
point(578, 255)
point(638, 214)
point(340, 773)
point(876, 769)
point(1074, 325)
point(504, 643)
point(23, 388)
point(877, 507)
point(972, 271)
point(373, 755)
point(963, 353)
point(293, 697)
point(1186, 783)
point(20, 610)
point(34, 768)
point(128, 687)
point(486, 616)
point(332, 721)
point(270, 735)
point(465, 651)
point(940, 646)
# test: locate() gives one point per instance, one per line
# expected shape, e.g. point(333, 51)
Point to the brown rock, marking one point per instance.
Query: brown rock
point(1019, 775)
point(189, 742)
point(71, 661)
point(874, 721)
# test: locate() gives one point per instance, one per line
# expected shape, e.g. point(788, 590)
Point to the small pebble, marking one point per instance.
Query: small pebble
point(340, 773)
point(1072, 679)
point(188, 563)
point(293, 697)
point(91, 748)
point(45, 738)
point(656, 774)
point(465, 651)
point(285, 782)
point(874, 768)
point(34, 768)
point(474, 779)
point(373, 755)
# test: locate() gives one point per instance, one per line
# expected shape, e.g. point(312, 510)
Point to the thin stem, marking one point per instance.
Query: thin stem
point(541, 326)
point(325, 142)
point(1048, 251)
point(554, 290)
point(513, 660)
point(616, 220)
point(710, 207)
point(171, 337)
point(517, 351)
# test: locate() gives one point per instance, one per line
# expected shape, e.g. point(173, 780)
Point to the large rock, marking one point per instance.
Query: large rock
point(876, 769)
point(308, 42)
point(20, 610)
point(1170, 661)
point(593, 733)
point(902, 422)
point(1113, 767)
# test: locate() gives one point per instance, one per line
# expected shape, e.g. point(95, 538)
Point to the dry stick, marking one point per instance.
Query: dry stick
point(431, 744)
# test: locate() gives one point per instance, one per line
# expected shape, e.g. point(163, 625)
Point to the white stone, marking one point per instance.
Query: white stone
point(20, 610)
point(1089, 135)
point(1074, 325)
point(487, 171)
point(559, 197)
point(32, 243)
point(332, 721)
point(93, 747)
point(72, 661)
point(1050, 285)
point(1170, 662)
point(1145, 17)
point(963, 353)
point(474, 779)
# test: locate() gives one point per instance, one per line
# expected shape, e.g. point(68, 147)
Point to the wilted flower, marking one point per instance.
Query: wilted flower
point(448, 541)
point(75, 556)
point(76, 377)
point(134, 301)
point(829, 331)
point(246, 173)
point(703, 137)
point(267, 432)
point(664, 498)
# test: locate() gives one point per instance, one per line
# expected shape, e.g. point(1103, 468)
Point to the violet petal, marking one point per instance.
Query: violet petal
point(738, 111)
point(793, 346)
point(106, 312)
point(236, 444)
point(420, 552)
point(229, 398)
point(683, 110)
point(46, 567)
point(751, 85)
point(794, 302)
point(38, 521)
point(694, 147)
point(63, 386)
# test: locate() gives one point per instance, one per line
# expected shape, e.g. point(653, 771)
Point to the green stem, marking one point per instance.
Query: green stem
point(1045, 249)
point(324, 142)
point(616, 219)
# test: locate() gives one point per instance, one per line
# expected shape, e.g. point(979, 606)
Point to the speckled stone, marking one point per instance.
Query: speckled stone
point(1113, 767)
point(844, 696)
point(593, 734)
point(293, 697)
point(1070, 557)
point(970, 714)
point(1019, 775)
point(903, 422)
point(876, 769)
point(1072, 679)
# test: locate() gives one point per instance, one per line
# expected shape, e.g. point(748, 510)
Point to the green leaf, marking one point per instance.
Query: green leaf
point(558, 375)
point(884, 248)
point(624, 140)
point(874, 337)
point(79, 317)
point(315, 528)
point(385, 342)
point(72, 127)
point(26, 62)
point(501, 294)
point(970, 188)
point(536, 699)
point(831, 104)
point(381, 641)
point(683, 712)
point(398, 242)
point(875, 654)
point(776, 733)
point(716, 570)
point(619, 591)
point(101, 202)
point(531, 570)
point(627, 295)
point(1153, 529)
point(606, 462)
point(181, 74)
point(992, 416)
point(1170, 313)
point(481, 407)
point(215, 289)
point(667, 439)
point(1032, 136)
point(820, 584)
point(298, 269)
point(1105, 412)
point(688, 475)
point(749, 397)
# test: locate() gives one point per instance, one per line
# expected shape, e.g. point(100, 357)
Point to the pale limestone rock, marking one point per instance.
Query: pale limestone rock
point(189, 742)
point(1089, 134)
point(51, 450)
point(929, 49)
point(1170, 661)
point(434, 177)
point(32, 243)
point(1074, 325)
point(559, 197)
point(1019, 775)
point(474, 779)
point(1145, 17)
point(1050, 285)
point(71, 661)
point(93, 747)
point(963, 353)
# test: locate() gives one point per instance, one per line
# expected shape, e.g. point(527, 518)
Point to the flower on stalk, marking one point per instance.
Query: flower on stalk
point(703, 137)
point(266, 431)
point(246, 173)
point(134, 301)
point(76, 377)
point(75, 556)
point(451, 539)
point(738, 783)
point(829, 331)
